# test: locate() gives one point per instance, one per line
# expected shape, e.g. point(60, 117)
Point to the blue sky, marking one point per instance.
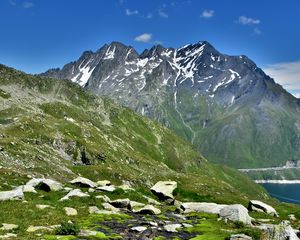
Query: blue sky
point(39, 34)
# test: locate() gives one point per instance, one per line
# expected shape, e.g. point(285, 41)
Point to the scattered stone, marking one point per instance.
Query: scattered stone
point(172, 227)
point(148, 209)
point(292, 217)
point(103, 183)
point(104, 198)
point(38, 228)
point(240, 237)
point(164, 189)
point(125, 187)
point(41, 206)
point(235, 213)
point(138, 229)
point(91, 190)
point(110, 207)
point(204, 207)
point(74, 193)
point(120, 203)
point(95, 210)
point(8, 227)
point(83, 182)
point(44, 184)
point(110, 188)
point(89, 233)
point(8, 235)
point(28, 189)
point(186, 225)
point(70, 211)
point(15, 194)
point(134, 204)
point(258, 206)
point(67, 189)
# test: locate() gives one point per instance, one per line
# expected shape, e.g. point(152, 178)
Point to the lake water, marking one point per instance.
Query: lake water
point(284, 192)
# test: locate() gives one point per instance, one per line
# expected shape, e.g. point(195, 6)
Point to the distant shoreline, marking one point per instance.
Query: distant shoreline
point(278, 181)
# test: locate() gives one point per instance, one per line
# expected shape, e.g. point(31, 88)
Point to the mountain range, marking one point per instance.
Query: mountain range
point(225, 105)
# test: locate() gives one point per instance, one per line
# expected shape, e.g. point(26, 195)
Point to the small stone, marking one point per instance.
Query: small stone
point(74, 193)
point(292, 217)
point(37, 228)
point(103, 183)
point(120, 203)
point(16, 194)
point(151, 201)
point(148, 209)
point(8, 227)
point(110, 188)
point(8, 235)
point(110, 207)
point(41, 206)
point(138, 229)
point(172, 227)
point(70, 211)
point(103, 198)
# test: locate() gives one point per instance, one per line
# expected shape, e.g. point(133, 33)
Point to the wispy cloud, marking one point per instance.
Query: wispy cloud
point(248, 21)
point(131, 12)
point(162, 13)
point(207, 13)
point(149, 16)
point(257, 31)
point(12, 2)
point(27, 4)
point(145, 37)
point(286, 74)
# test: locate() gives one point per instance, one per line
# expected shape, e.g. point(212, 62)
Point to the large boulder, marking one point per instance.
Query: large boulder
point(258, 206)
point(15, 194)
point(44, 184)
point(235, 213)
point(212, 208)
point(74, 193)
point(164, 189)
point(279, 232)
point(83, 182)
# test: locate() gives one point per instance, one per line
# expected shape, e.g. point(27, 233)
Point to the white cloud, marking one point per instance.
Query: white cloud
point(12, 2)
point(248, 21)
point(146, 37)
point(208, 13)
point(131, 12)
point(162, 13)
point(287, 74)
point(149, 15)
point(27, 4)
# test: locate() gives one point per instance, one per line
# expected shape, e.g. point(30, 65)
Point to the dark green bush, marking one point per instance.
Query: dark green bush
point(67, 228)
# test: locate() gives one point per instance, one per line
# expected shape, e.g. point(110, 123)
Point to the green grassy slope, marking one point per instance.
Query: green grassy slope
point(48, 125)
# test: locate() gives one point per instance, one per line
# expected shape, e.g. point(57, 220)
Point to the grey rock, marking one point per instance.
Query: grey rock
point(70, 211)
point(164, 189)
point(120, 203)
point(213, 208)
point(172, 227)
point(236, 213)
point(44, 184)
point(83, 182)
point(8, 227)
point(74, 193)
point(259, 206)
point(240, 237)
point(16, 194)
point(148, 209)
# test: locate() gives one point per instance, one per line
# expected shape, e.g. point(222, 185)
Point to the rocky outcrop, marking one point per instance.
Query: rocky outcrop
point(235, 213)
point(279, 232)
point(15, 194)
point(83, 182)
point(213, 208)
point(164, 189)
point(258, 206)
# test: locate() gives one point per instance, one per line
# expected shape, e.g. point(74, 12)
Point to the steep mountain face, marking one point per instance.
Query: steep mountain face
point(225, 105)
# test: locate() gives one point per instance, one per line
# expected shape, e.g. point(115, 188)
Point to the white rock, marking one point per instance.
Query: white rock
point(42, 206)
point(204, 207)
point(259, 206)
point(103, 198)
point(164, 189)
point(110, 207)
point(148, 209)
point(95, 210)
point(110, 188)
point(83, 182)
point(138, 229)
point(240, 237)
point(15, 194)
point(8, 236)
point(120, 203)
point(28, 189)
point(292, 217)
point(151, 201)
point(172, 227)
point(8, 227)
point(125, 187)
point(87, 233)
point(38, 228)
point(74, 193)
point(44, 184)
point(134, 204)
point(236, 213)
point(103, 183)
point(70, 211)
